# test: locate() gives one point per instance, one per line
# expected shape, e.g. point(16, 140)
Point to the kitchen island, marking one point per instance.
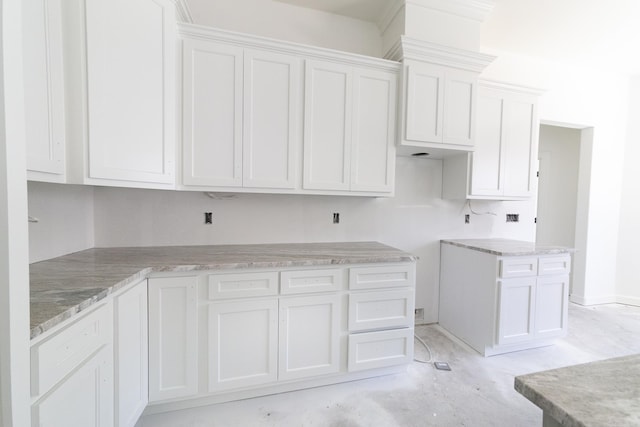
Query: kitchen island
point(602, 393)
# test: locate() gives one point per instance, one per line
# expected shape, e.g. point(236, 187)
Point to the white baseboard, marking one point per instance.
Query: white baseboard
point(628, 300)
point(603, 299)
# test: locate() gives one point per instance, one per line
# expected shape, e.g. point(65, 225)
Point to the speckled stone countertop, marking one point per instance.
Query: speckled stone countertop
point(506, 247)
point(603, 393)
point(61, 287)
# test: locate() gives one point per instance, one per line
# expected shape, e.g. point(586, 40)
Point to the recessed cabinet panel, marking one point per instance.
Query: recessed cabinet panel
point(243, 343)
point(552, 294)
point(554, 265)
point(425, 100)
point(518, 130)
point(459, 108)
point(270, 117)
point(379, 349)
point(517, 310)
point(130, 62)
point(398, 275)
point(487, 159)
point(212, 125)
point(518, 267)
point(373, 131)
point(238, 285)
point(327, 132)
point(309, 281)
point(388, 309)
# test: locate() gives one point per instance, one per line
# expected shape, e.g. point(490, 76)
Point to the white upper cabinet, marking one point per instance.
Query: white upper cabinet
point(121, 79)
point(240, 111)
point(502, 167)
point(349, 128)
point(44, 90)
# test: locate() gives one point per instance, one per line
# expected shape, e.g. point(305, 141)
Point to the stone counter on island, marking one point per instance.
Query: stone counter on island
point(507, 247)
point(63, 286)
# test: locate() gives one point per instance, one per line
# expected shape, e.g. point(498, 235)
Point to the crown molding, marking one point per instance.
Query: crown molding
point(419, 50)
point(394, 7)
point(183, 13)
point(494, 84)
point(202, 32)
point(477, 10)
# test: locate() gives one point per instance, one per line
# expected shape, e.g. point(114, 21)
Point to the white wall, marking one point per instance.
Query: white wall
point(65, 215)
point(292, 23)
point(591, 98)
point(559, 154)
point(414, 220)
point(628, 278)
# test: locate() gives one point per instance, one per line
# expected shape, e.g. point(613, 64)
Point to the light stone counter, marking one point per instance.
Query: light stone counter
point(506, 247)
point(603, 393)
point(64, 286)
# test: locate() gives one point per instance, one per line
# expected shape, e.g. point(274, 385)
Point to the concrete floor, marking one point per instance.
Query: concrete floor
point(477, 392)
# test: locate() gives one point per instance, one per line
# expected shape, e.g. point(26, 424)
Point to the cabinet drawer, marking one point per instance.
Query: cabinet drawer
point(307, 281)
point(238, 285)
point(554, 265)
point(53, 359)
point(382, 277)
point(518, 267)
point(386, 309)
point(372, 350)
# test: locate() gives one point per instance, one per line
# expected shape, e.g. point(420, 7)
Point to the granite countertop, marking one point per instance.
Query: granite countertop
point(63, 286)
point(603, 393)
point(506, 247)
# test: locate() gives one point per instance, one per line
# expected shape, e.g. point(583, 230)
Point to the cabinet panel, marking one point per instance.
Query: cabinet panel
point(309, 336)
point(425, 100)
point(554, 265)
point(327, 129)
point(518, 131)
point(388, 309)
point(132, 355)
point(212, 122)
point(243, 343)
point(238, 285)
point(130, 80)
point(380, 349)
point(373, 131)
point(173, 335)
point(84, 399)
point(44, 89)
point(382, 277)
point(308, 281)
point(516, 310)
point(271, 106)
point(552, 295)
point(517, 267)
point(459, 109)
point(487, 159)
point(59, 355)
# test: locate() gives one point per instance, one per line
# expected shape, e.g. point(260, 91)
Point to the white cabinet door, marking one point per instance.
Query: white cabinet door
point(487, 162)
point(243, 343)
point(520, 133)
point(309, 336)
point(516, 310)
point(424, 102)
point(84, 399)
point(459, 107)
point(130, 88)
point(271, 110)
point(327, 126)
point(44, 90)
point(373, 148)
point(552, 296)
point(173, 337)
point(212, 114)
point(131, 355)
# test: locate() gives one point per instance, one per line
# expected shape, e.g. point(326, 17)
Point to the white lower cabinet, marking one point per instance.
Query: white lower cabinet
point(173, 338)
point(498, 304)
point(309, 336)
point(225, 335)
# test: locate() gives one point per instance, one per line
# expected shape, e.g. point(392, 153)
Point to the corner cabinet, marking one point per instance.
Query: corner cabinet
point(502, 166)
point(120, 72)
point(501, 303)
point(252, 332)
point(349, 128)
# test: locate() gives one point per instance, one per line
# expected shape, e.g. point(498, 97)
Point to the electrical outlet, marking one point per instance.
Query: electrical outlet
point(418, 314)
point(208, 218)
point(336, 218)
point(467, 218)
point(513, 217)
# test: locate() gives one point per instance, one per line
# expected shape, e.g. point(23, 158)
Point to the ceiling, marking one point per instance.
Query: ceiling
point(600, 33)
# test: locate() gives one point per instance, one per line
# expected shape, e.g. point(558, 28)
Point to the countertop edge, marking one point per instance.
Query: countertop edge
point(535, 251)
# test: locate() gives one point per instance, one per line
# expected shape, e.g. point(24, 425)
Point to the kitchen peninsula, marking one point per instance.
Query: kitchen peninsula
point(221, 322)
